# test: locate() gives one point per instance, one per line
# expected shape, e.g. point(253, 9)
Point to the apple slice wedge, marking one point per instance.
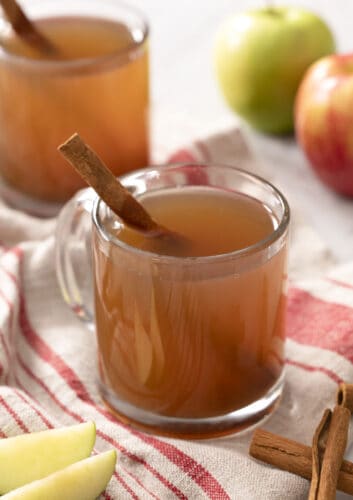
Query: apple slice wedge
point(84, 480)
point(28, 457)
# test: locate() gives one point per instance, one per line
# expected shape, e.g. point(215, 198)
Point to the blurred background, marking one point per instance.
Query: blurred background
point(182, 35)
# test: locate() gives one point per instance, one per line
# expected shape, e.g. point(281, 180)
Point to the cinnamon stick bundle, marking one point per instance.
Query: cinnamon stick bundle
point(329, 445)
point(294, 457)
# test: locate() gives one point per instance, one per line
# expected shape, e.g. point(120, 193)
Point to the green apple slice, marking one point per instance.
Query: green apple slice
point(84, 480)
point(28, 457)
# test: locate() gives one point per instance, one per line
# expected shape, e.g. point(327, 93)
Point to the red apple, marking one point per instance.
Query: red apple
point(324, 120)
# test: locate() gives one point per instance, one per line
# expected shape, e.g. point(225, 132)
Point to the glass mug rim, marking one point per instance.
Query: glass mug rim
point(250, 250)
point(119, 57)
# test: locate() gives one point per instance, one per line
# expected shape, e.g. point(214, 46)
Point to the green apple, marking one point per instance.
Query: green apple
point(28, 457)
point(84, 480)
point(260, 58)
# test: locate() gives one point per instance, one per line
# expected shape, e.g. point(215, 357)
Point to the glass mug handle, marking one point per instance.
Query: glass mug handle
point(73, 259)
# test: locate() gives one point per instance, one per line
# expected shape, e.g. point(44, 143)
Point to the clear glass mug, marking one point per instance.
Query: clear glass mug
point(104, 97)
point(170, 366)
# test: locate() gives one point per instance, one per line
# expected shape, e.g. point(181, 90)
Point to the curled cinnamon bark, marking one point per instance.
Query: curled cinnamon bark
point(318, 449)
point(294, 457)
point(323, 463)
point(336, 431)
point(344, 396)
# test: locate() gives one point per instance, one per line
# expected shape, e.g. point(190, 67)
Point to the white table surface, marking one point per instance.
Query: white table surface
point(187, 103)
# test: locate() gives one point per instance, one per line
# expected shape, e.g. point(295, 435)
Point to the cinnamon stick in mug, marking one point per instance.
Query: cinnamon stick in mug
point(294, 457)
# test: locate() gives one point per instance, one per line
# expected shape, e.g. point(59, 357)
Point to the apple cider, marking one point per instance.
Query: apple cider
point(96, 84)
point(199, 334)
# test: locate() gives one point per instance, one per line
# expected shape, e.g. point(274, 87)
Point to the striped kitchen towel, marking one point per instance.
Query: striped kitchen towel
point(48, 372)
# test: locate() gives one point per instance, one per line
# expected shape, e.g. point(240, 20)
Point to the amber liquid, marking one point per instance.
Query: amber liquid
point(198, 341)
point(101, 92)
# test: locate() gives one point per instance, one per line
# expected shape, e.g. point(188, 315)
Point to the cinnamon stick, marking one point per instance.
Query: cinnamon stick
point(97, 175)
point(25, 29)
point(318, 449)
point(344, 396)
point(92, 169)
point(337, 432)
point(294, 457)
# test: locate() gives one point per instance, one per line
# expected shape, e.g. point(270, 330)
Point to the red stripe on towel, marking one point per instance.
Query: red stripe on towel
point(14, 415)
point(315, 322)
point(310, 368)
point(28, 402)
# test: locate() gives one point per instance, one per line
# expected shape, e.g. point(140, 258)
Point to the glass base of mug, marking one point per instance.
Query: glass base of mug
point(236, 422)
point(32, 206)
